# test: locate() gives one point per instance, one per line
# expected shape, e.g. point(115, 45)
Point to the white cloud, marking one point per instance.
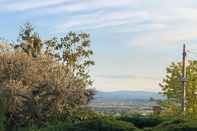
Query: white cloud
point(187, 13)
point(103, 19)
point(142, 17)
point(69, 7)
point(111, 3)
point(28, 5)
point(179, 25)
point(162, 39)
point(66, 4)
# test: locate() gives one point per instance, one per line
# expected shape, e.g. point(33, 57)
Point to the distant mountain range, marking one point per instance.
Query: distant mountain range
point(125, 101)
point(126, 95)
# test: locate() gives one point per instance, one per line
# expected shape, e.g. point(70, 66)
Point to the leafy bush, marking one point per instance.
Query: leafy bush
point(60, 126)
point(177, 125)
point(99, 124)
point(83, 114)
point(141, 121)
point(33, 97)
point(44, 79)
point(105, 124)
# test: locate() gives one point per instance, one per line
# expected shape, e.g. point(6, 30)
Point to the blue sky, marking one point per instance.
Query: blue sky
point(133, 40)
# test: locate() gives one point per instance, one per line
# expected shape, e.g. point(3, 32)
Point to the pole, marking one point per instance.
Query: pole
point(184, 79)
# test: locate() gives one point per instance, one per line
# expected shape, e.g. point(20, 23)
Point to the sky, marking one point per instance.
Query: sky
point(133, 40)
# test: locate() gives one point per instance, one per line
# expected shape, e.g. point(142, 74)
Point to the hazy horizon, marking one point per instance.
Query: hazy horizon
point(133, 40)
point(111, 91)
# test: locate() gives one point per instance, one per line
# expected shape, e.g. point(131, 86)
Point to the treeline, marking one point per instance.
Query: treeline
point(87, 120)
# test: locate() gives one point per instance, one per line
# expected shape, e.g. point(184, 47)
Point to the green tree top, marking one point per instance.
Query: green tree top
point(172, 88)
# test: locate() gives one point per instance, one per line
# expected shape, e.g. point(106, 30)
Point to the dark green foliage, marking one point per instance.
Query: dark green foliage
point(141, 121)
point(60, 126)
point(99, 124)
point(106, 124)
point(83, 115)
point(2, 114)
point(177, 125)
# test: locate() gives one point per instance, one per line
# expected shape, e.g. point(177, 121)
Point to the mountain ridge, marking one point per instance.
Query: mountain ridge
point(127, 95)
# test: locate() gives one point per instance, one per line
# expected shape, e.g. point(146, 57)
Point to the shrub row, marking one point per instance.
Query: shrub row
point(177, 125)
point(141, 121)
point(100, 124)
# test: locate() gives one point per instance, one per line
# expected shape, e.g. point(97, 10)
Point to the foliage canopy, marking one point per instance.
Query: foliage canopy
point(172, 89)
point(41, 79)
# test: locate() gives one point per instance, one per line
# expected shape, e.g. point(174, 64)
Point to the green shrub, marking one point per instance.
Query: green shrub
point(99, 124)
point(105, 124)
point(83, 114)
point(141, 121)
point(177, 125)
point(60, 126)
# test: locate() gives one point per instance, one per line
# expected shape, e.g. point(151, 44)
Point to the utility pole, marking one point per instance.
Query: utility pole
point(184, 80)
